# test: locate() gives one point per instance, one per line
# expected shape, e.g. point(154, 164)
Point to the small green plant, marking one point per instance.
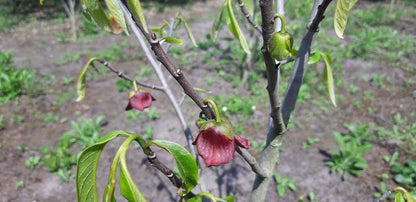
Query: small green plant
point(383, 176)
point(19, 185)
point(405, 174)
point(32, 162)
point(382, 190)
point(309, 142)
point(50, 117)
point(148, 133)
point(122, 85)
point(22, 148)
point(348, 159)
point(134, 115)
point(1, 121)
point(151, 113)
point(391, 160)
point(360, 135)
point(67, 80)
point(283, 183)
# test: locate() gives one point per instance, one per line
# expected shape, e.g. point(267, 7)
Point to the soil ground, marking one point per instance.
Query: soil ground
point(37, 46)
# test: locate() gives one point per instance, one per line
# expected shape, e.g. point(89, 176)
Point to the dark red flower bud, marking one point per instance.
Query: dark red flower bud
point(216, 142)
point(139, 100)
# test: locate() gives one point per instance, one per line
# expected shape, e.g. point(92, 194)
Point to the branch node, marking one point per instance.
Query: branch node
point(152, 156)
point(178, 72)
point(170, 175)
point(119, 74)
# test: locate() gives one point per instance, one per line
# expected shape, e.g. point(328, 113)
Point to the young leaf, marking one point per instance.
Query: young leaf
point(218, 21)
point(92, 9)
point(188, 170)
point(138, 12)
point(409, 198)
point(85, 176)
point(127, 187)
point(188, 31)
point(314, 58)
point(234, 28)
point(171, 40)
point(117, 13)
point(81, 79)
point(327, 76)
point(340, 140)
point(341, 14)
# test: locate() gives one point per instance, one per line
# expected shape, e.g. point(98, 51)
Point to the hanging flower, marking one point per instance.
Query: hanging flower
point(216, 140)
point(139, 99)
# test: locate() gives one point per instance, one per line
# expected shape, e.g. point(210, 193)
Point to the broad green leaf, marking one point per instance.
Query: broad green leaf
point(399, 197)
point(340, 140)
point(81, 79)
point(314, 57)
point(138, 12)
point(85, 177)
point(188, 170)
point(92, 9)
point(229, 198)
point(402, 179)
point(341, 14)
point(127, 187)
point(171, 40)
point(328, 78)
point(188, 31)
point(234, 28)
point(218, 21)
point(117, 13)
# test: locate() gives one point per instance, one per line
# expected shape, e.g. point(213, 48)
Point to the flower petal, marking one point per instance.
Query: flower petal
point(242, 142)
point(141, 100)
point(214, 148)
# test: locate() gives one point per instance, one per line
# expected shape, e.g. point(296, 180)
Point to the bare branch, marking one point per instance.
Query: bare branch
point(248, 17)
point(128, 78)
point(251, 161)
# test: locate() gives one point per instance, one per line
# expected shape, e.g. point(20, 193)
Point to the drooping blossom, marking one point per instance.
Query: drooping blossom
point(139, 100)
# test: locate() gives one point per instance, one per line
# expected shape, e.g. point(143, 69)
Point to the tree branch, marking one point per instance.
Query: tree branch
point(172, 69)
point(128, 78)
point(317, 15)
point(251, 161)
point(248, 17)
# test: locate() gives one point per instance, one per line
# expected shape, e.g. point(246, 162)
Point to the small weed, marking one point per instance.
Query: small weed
point(258, 145)
point(382, 190)
point(309, 142)
point(67, 80)
point(360, 135)
point(383, 176)
point(49, 118)
point(134, 115)
point(283, 183)
point(62, 38)
point(236, 104)
point(22, 148)
point(405, 174)
point(391, 160)
point(148, 133)
point(32, 162)
point(151, 113)
point(348, 159)
point(122, 85)
point(1, 121)
point(19, 185)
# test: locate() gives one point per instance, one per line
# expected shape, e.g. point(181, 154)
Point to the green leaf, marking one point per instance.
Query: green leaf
point(409, 198)
point(92, 10)
point(340, 140)
point(249, 7)
point(188, 170)
point(229, 198)
point(81, 79)
point(138, 12)
point(327, 76)
point(341, 14)
point(402, 179)
point(234, 28)
point(117, 13)
point(399, 197)
point(314, 57)
point(218, 21)
point(188, 31)
point(41, 2)
point(85, 177)
point(127, 187)
point(111, 182)
point(172, 40)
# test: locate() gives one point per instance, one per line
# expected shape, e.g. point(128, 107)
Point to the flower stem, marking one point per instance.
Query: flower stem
point(214, 107)
point(283, 30)
point(135, 85)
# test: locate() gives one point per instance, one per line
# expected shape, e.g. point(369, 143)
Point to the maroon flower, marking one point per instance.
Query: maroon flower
point(216, 142)
point(139, 100)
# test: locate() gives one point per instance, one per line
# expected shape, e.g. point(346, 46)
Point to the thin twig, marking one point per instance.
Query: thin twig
point(251, 161)
point(128, 78)
point(382, 197)
point(248, 17)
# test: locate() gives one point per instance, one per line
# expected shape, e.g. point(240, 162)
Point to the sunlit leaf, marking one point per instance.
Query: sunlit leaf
point(399, 197)
point(85, 177)
point(314, 58)
point(138, 12)
point(234, 28)
point(188, 31)
point(81, 79)
point(409, 198)
point(92, 9)
point(117, 14)
point(340, 140)
point(341, 14)
point(127, 187)
point(188, 170)
point(219, 21)
point(41, 2)
point(111, 182)
point(172, 40)
point(327, 77)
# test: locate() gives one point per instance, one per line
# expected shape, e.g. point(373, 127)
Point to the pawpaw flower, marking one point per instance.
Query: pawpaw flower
point(216, 140)
point(139, 99)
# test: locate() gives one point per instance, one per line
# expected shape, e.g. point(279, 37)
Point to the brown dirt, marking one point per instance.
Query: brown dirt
point(37, 46)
